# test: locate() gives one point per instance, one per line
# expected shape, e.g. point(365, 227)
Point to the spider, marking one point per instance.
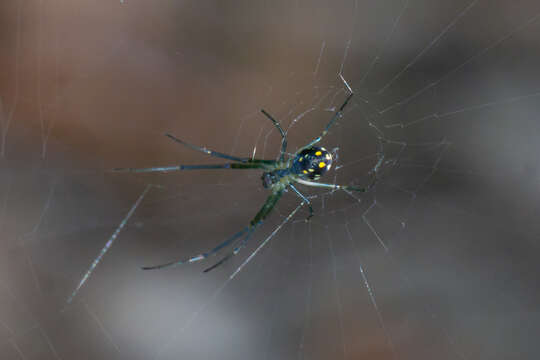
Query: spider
point(305, 167)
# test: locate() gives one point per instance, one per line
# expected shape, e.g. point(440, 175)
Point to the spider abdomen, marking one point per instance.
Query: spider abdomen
point(312, 163)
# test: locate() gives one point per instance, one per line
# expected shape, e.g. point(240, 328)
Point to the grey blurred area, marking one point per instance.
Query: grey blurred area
point(438, 261)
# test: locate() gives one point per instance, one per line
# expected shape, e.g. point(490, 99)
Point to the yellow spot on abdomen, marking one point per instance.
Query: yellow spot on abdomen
point(301, 159)
point(322, 164)
point(318, 153)
point(305, 171)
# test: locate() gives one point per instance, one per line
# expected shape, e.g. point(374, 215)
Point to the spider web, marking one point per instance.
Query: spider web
point(438, 260)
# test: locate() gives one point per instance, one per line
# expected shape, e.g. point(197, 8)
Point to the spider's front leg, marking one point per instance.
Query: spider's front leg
point(245, 232)
point(205, 150)
point(265, 210)
point(241, 163)
point(249, 164)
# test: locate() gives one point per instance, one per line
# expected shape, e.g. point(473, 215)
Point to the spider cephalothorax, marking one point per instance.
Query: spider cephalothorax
point(312, 163)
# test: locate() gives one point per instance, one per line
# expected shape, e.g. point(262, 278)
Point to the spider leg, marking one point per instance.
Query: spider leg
point(265, 241)
point(220, 262)
point(206, 151)
point(250, 164)
point(232, 253)
point(336, 187)
point(338, 114)
point(306, 200)
point(256, 221)
point(283, 134)
point(202, 256)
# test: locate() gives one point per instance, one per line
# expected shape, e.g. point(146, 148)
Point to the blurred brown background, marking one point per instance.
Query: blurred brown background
point(439, 261)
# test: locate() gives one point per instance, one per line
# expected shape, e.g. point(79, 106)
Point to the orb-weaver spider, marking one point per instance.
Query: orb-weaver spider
point(307, 164)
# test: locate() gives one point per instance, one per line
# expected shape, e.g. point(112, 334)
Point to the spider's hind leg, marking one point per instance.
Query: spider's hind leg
point(306, 200)
point(338, 114)
point(281, 132)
